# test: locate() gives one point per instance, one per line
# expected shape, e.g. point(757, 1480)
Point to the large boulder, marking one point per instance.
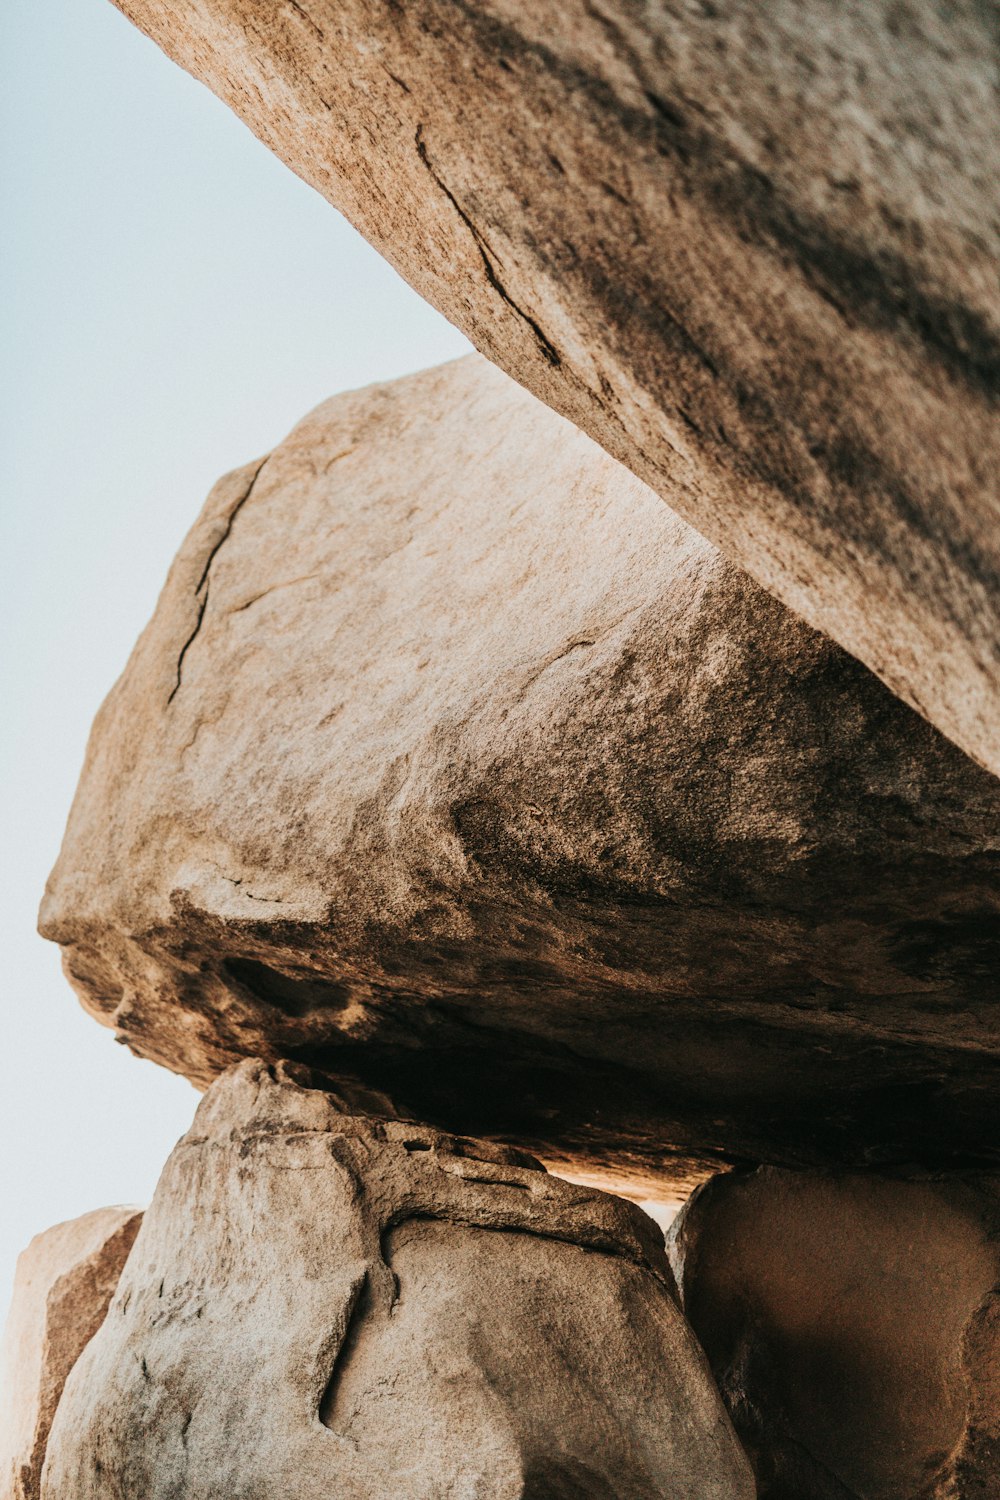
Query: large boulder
point(452, 763)
point(322, 1304)
point(64, 1282)
point(750, 248)
point(853, 1324)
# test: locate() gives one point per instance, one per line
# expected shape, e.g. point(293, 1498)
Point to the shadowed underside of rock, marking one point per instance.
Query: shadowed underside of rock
point(457, 767)
point(751, 249)
point(374, 1310)
point(853, 1324)
point(64, 1283)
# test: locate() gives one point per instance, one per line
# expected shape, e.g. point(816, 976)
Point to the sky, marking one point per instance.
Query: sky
point(174, 299)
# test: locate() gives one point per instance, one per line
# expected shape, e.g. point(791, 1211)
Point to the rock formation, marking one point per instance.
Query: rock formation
point(456, 766)
point(64, 1283)
point(456, 778)
point(853, 1325)
point(751, 250)
point(368, 1309)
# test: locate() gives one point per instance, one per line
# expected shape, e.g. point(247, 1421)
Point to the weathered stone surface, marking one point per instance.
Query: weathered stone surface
point(853, 1324)
point(751, 249)
point(320, 1304)
point(64, 1283)
point(454, 763)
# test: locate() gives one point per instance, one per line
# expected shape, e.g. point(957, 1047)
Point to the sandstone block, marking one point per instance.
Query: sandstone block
point(853, 1324)
point(455, 766)
point(750, 249)
point(322, 1304)
point(64, 1283)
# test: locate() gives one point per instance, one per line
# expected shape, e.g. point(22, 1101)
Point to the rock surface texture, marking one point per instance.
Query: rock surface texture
point(751, 249)
point(64, 1283)
point(363, 1310)
point(456, 766)
point(853, 1325)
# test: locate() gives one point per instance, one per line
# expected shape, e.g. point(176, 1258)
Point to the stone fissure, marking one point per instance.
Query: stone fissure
point(273, 588)
point(544, 342)
point(301, 11)
point(204, 580)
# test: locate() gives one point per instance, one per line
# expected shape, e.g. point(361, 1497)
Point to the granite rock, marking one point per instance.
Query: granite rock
point(454, 765)
point(750, 249)
point(853, 1324)
point(64, 1282)
point(373, 1309)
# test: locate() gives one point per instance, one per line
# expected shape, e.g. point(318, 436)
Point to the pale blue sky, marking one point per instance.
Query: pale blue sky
point(174, 299)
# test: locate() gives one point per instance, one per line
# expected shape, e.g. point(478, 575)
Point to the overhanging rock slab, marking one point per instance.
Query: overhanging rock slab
point(751, 249)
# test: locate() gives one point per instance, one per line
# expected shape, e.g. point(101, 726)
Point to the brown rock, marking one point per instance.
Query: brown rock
point(750, 249)
point(853, 1325)
point(320, 1304)
point(453, 763)
point(64, 1283)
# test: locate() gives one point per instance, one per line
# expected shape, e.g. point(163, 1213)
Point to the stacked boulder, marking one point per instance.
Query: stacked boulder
point(457, 780)
point(458, 768)
point(62, 1289)
point(365, 1309)
point(852, 1321)
point(751, 250)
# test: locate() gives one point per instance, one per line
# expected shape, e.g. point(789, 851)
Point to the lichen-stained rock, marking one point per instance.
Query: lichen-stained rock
point(750, 248)
point(853, 1324)
point(65, 1280)
point(320, 1304)
point(455, 764)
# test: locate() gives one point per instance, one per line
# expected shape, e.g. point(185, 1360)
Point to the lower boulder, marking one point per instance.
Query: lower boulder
point(64, 1283)
point(321, 1303)
point(852, 1322)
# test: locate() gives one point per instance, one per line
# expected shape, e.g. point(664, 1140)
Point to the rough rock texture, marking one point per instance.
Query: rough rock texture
point(853, 1324)
point(453, 763)
point(750, 248)
point(64, 1283)
point(364, 1310)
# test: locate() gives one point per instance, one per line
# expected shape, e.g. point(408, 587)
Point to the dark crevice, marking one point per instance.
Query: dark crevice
point(358, 1305)
point(300, 993)
point(299, 10)
point(203, 581)
point(363, 1297)
point(187, 646)
point(545, 344)
point(598, 1244)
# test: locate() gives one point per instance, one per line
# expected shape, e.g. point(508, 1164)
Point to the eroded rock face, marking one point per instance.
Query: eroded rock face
point(65, 1280)
point(751, 249)
point(853, 1325)
point(324, 1304)
point(457, 767)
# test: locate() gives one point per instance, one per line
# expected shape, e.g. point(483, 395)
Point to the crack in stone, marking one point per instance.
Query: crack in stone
point(300, 10)
point(286, 583)
point(548, 349)
point(203, 581)
point(550, 661)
